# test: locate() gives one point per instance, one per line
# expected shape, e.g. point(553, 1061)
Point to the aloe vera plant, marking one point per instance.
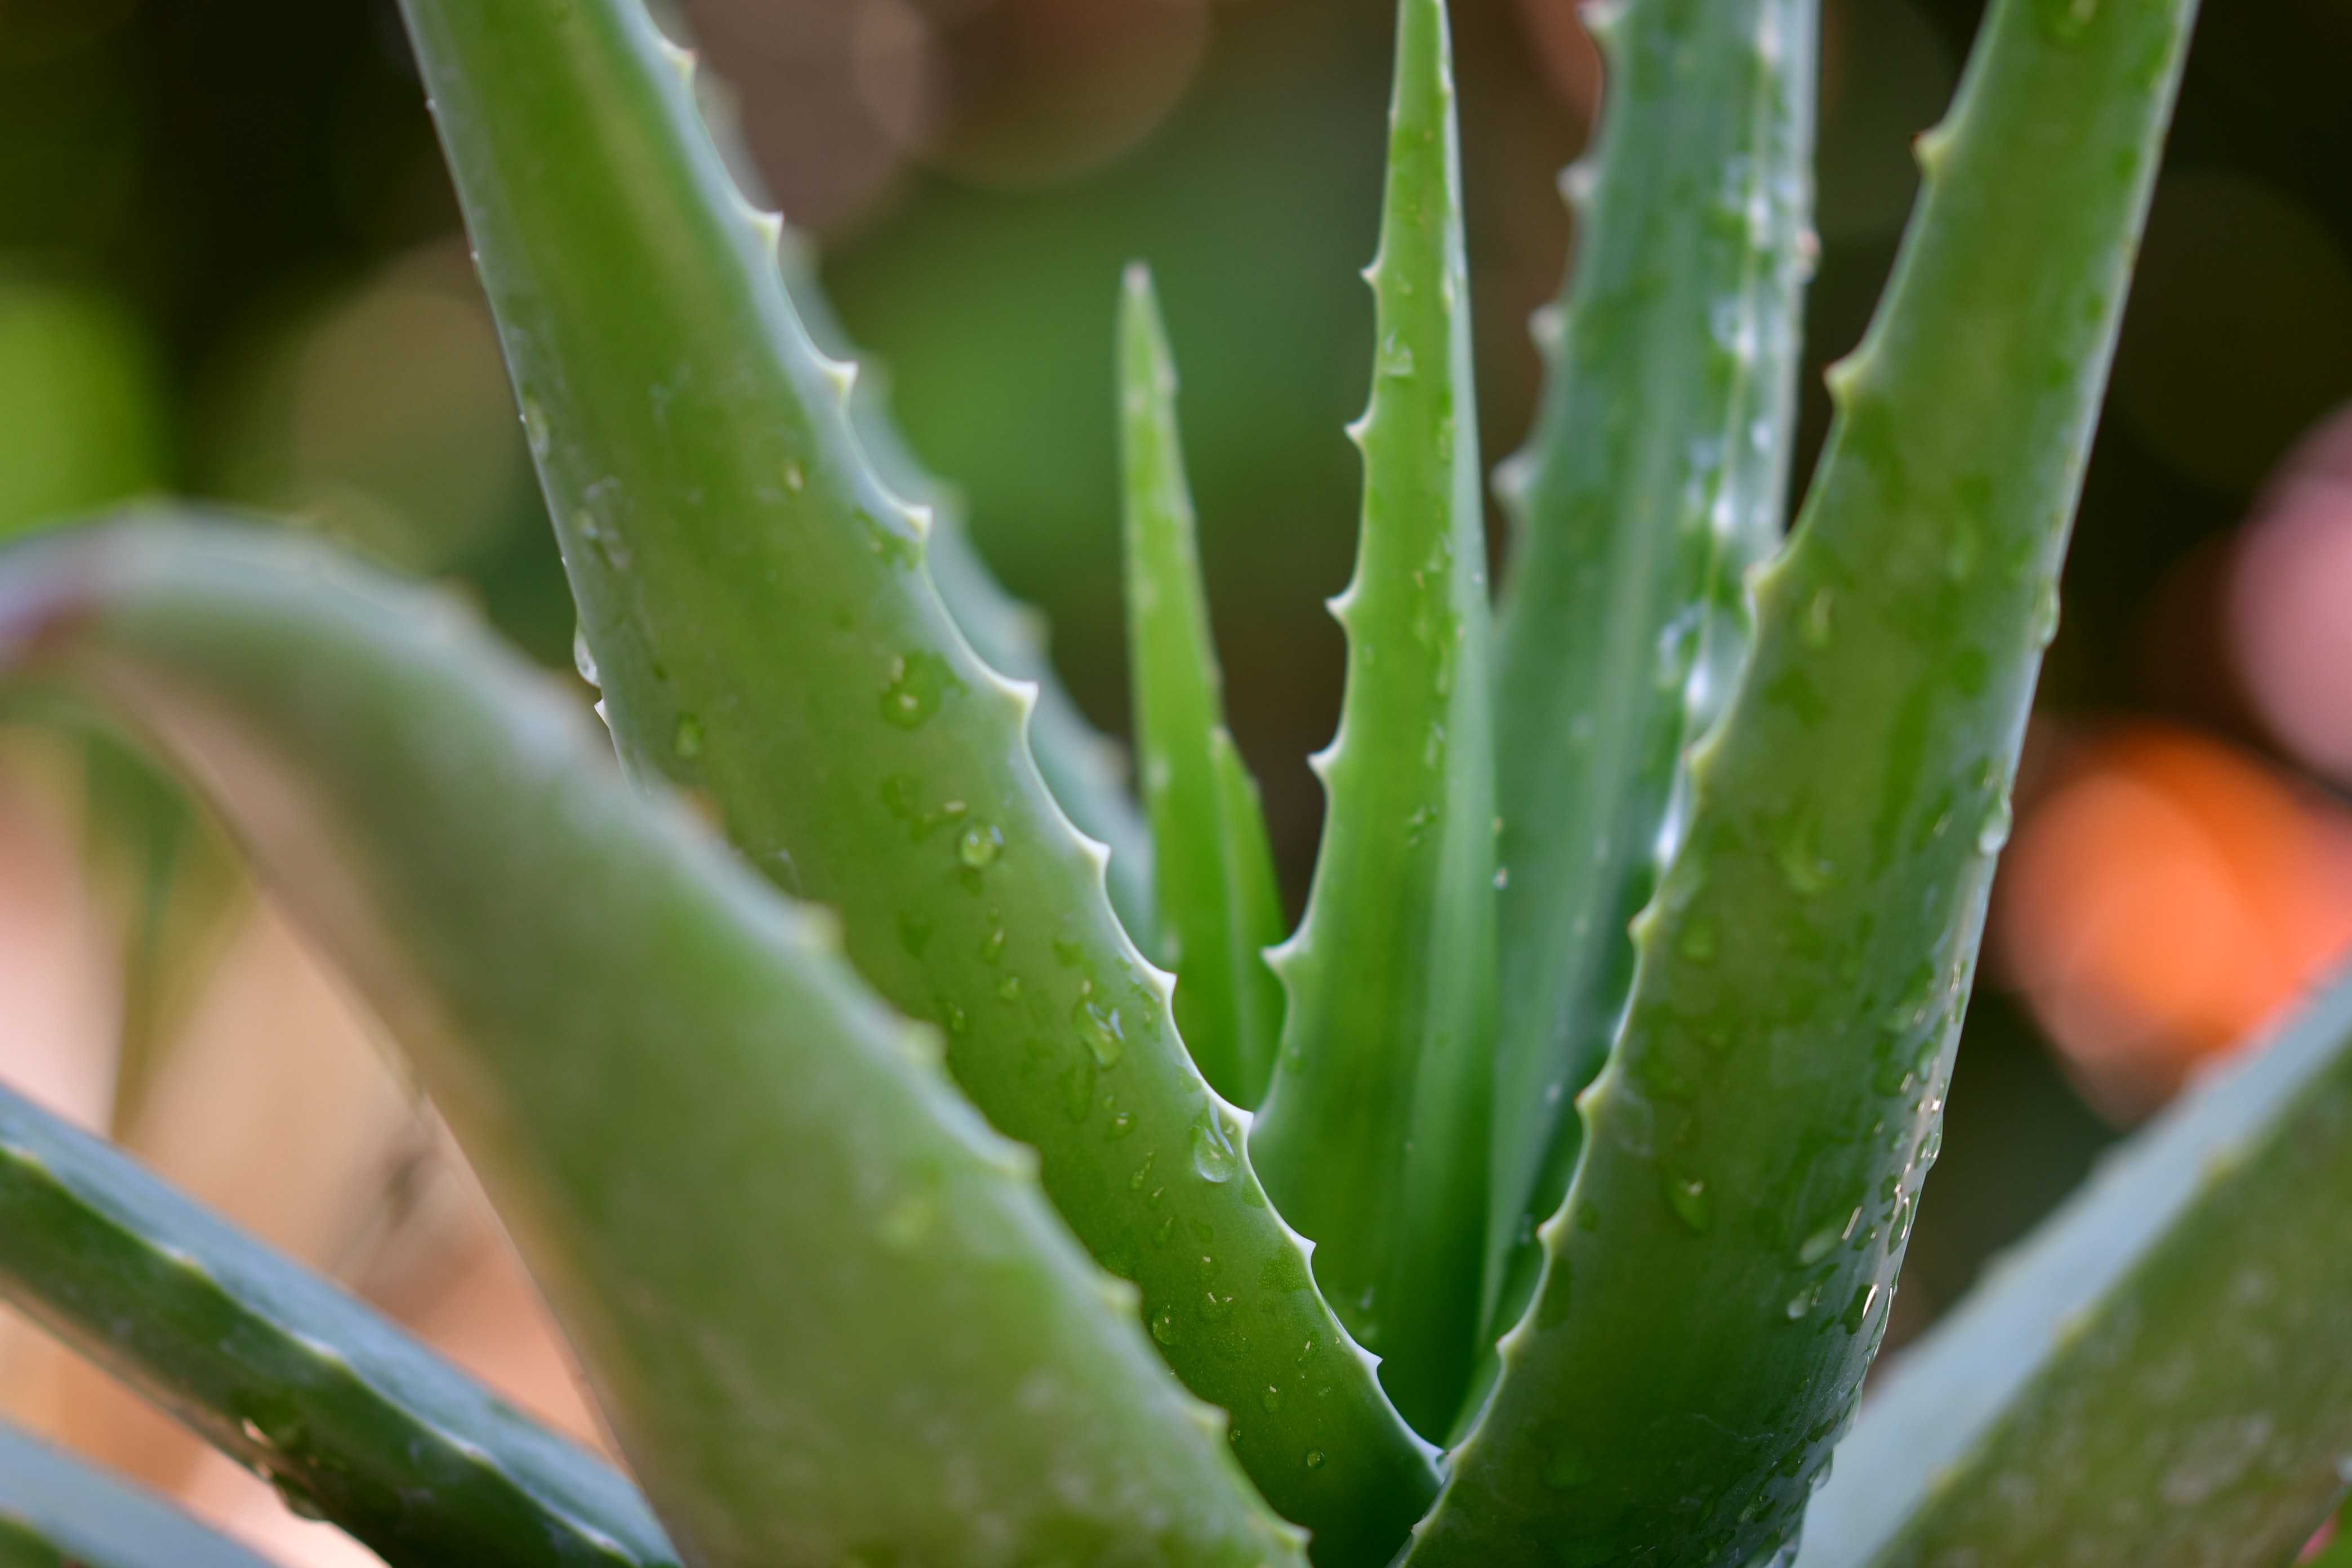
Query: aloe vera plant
point(874, 1167)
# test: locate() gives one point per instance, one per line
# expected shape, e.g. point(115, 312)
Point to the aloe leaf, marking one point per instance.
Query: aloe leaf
point(1373, 1139)
point(1081, 766)
point(754, 604)
point(57, 1512)
point(1718, 1277)
point(1219, 906)
point(351, 1419)
point(1656, 475)
point(2161, 1373)
point(826, 1311)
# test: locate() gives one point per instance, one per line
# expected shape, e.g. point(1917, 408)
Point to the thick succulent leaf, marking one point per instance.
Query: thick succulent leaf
point(2161, 1374)
point(1219, 906)
point(1657, 474)
point(755, 605)
point(1718, 1277)
point(349, 1417)
point(1082, 767)
point(57, 1512)
point(1373, 1139)
point(826, 1311)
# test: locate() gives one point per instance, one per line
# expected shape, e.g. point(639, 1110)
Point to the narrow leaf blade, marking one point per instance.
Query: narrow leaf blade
point(1657, 473)
point(1219, 907)
point(1374, 1136)
point(765, 634)
point(824, 1306)
point(1080, 765)
point(2161, 1374)
point(57, 1512)
point(1718, 1277)
point(290, 1376)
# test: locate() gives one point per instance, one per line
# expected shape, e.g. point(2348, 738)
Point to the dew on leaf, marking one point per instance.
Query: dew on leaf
point(688, 740)
point(1687, 1197)
point(1993, 831)
point(980, 846)
point(1212, 1150)
point(919, 683)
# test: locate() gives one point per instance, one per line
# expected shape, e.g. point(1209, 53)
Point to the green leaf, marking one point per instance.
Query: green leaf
point(1719, 1276)
point(57, 1512)
point(350, 1418)
point(1374, 1137)
point(2161, 1374)
point(1219, 906)
point(826, 1311)
point(1081, 766)
point(1657, 474)
point(755, 605)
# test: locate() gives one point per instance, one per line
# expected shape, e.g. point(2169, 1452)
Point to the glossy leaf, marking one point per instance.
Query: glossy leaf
point(2161, 1374)
point(1219, 907)
point(349, 1417)
point(1373, 1139)
point(56, 1511)
point(826, 1311)
point(754, 602)
point(1081, 766)
point(1718, 1277)
point(1657, 474)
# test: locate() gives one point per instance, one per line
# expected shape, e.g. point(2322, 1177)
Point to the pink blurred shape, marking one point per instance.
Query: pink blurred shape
point(2289, 614)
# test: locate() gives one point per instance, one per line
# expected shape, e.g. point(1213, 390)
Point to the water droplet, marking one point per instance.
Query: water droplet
point(1687, 1197)
point(1100, 1029)
point(1212, 1150)
point(1502, 877)
point(1313, 1458)
point(688, 742)
point(1416, 827)
point(980, 846)
point(1163, 1326)
point(1271, 1399)
point(1993, 832)
point(919, 683)
point(1143, 1173)
point(609, 546)
point(1799, 1305)
point(582, 659)
point(1819, 1245)
point(2045, 611)
point(952, 1017)
point(1009, 988)
point(1122, 1123)
point(1865, 1296)
point(1396, 356)
point(534, 426)
point(795, 480)
point(1816, 629)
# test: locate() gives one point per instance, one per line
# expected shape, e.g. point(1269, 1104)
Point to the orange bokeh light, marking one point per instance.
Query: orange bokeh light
point(2166, 895)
